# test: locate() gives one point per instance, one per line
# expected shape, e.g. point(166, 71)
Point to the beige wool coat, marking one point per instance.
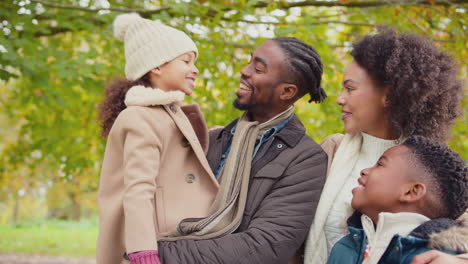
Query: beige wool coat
point(154, 173)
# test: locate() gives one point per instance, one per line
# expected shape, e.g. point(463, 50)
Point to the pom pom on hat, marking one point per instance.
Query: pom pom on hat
point(122, 23)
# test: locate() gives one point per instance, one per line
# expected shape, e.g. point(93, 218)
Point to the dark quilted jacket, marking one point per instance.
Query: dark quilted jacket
point(287, 177)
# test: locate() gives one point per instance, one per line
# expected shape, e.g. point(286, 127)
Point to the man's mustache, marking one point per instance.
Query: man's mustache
point(244, 79)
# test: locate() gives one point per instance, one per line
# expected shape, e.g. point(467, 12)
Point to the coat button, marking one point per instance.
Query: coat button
point(190, 178)
point(279, 146)
point(185, 143)
point(172, 108)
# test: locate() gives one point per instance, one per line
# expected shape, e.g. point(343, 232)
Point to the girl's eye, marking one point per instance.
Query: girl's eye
point(379, 163)
point(348, 89)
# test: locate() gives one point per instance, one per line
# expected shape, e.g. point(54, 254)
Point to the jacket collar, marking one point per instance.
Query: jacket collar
point(442, 233)
point(291, 133)
point(445, 233)
point(139, 95)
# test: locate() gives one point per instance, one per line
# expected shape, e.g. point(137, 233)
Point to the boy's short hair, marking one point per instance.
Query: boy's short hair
point(447, 170)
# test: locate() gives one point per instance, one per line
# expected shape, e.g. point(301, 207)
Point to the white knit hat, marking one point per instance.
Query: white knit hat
point(149, 44)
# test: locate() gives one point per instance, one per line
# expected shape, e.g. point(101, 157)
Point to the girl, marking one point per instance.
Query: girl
point(154, 171)
point(396, 86)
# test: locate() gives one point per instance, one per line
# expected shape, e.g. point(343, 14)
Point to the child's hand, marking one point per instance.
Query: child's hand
point(144, 257)
point(437, 257)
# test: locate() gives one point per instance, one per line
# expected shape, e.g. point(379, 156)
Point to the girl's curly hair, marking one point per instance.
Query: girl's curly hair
point(423, 91)
point(113, 102)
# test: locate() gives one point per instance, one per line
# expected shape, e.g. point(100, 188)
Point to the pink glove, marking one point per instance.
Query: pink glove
point(144, 257)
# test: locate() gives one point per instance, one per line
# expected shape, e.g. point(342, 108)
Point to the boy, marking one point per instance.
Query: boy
point(405, 205)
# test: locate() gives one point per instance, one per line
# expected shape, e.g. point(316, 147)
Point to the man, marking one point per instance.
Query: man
point(286, 168)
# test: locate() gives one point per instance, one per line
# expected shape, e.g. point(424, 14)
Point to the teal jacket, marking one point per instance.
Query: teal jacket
point(446, 233)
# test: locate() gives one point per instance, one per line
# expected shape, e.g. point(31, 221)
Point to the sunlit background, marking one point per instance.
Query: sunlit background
point(57, 56)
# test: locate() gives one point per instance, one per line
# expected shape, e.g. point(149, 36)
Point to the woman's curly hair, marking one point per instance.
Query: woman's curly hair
point(113, 102)
point(423, 91)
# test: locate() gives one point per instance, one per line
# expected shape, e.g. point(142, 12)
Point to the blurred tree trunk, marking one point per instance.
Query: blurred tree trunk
point(75, 212)
point(16, 209)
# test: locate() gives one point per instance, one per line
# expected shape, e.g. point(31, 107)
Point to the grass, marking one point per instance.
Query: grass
point(54, 238)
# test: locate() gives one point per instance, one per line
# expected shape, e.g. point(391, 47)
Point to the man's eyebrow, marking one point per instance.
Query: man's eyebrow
point(348, 81)
point(257, 59)
point(260, 60)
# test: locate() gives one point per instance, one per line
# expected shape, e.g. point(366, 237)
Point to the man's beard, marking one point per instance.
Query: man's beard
point(242, 107)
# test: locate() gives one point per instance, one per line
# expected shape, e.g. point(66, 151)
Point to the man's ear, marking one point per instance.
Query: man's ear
point(288, 91)
point(413, 192)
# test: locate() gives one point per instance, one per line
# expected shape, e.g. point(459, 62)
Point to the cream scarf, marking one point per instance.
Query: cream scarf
point(229, 205)
point(345, 158)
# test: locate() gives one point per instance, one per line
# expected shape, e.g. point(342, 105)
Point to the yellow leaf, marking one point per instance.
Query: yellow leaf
point(38, 92)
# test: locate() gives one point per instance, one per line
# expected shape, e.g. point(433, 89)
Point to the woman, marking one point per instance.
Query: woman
point(396, 86)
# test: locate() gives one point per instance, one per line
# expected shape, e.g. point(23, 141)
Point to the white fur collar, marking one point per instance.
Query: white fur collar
point(146, 96)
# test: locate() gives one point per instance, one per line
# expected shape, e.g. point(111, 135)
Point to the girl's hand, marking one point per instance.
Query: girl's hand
point(144, 257)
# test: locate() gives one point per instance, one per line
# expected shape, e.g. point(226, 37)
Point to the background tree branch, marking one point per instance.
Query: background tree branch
point(352, 23)
point(91, 9)
point(262, 4)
